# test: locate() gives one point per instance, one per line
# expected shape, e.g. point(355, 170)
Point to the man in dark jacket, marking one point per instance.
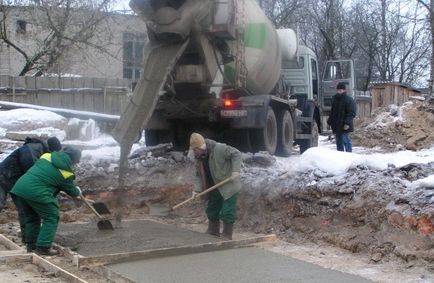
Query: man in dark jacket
point(216, 162)
point(36, 193)
point(341, 117)
point(17, 163)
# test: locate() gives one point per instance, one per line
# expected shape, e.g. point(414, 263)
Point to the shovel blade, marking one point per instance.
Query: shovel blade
point(101, 208)
point(105, 225)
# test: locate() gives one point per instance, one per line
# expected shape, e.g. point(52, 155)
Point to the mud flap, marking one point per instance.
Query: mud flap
point(158, 62)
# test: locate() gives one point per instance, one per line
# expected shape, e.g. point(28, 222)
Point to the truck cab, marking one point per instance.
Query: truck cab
point(301, 75)
point(336, 71)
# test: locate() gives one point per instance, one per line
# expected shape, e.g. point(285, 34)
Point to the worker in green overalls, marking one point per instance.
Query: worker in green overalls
point(216, 162)
point(36, 191)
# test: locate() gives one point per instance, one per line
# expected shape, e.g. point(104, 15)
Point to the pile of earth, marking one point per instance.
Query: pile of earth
point(393, 128)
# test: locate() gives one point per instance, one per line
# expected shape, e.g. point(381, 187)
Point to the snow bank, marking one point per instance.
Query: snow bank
point(30, 119)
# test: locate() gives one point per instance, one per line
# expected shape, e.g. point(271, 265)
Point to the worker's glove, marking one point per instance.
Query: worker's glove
point(346, 127)
point(194, 194)
point(235, 175)
point(79, 190)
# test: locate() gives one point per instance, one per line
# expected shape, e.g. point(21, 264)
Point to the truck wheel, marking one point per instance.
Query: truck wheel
point(265, 139)
point(285, 133)
point(312, 142)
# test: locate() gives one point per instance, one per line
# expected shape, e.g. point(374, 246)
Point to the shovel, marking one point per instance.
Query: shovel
point(206, 191)
point(103, 224)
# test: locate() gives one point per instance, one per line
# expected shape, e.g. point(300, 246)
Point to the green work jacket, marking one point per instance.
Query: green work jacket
point(223, 160)
point(43, 181)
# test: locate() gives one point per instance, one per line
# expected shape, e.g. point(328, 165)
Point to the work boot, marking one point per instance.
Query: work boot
point(31, 247)
point(227, 231)
point(213, 228)
point(46, 251)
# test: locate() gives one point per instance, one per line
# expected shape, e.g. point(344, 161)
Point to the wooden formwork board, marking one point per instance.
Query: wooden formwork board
point(92, 261)
point(8, 243)
point(39, 261)
point(15, 254)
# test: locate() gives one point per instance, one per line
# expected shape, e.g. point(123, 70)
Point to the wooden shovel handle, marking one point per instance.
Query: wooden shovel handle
point(90, 206)
point(206, 191)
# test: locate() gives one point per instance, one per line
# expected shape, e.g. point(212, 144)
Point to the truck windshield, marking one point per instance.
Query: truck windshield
point(337, 70)
point(293, 64)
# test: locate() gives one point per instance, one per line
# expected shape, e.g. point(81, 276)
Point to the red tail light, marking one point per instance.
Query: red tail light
point(231, 103)
point(227, 103)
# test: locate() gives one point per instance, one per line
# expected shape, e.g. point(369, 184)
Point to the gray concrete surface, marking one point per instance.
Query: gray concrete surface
point(134, 236)
point(248, 265)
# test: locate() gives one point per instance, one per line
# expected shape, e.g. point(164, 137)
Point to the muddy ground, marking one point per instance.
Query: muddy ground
point(395, 128)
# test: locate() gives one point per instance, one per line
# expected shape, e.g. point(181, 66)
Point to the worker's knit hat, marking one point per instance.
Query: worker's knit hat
point(197, 141)
point(73, 153)
point(341, 85)
point(54, 144)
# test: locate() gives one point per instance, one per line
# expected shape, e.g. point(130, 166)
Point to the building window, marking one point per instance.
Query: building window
point(21, 26)
point(133, 44)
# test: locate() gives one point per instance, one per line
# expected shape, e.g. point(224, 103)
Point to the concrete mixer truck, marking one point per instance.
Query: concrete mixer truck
point(220, 68)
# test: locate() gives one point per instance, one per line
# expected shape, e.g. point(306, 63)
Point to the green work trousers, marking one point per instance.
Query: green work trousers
point(35, 213)
point(220, 209)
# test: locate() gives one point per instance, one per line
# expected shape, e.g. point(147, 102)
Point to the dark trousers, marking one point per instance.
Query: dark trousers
point(35, 214)
point(3, 196)
point(220, 209)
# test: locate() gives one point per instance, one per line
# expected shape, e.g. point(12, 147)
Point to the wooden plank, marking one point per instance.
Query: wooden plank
point(59, 272)
point(173, 251)
point(77, 83)
point(99, 82)
point(5, 81)
point(8, 243)
point(30, 82)
point(87, 82)
point(16, 258)
point(12, 253)
point(65, 83)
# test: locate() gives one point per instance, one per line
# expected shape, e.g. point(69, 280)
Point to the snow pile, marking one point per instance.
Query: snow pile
point(427, 182)
point(335, 163)
point(383, 119)
point(84, 130)
point(30, 119)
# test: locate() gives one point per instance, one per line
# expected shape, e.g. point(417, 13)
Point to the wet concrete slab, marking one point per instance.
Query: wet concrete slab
point(138, 235)
point(236, 265)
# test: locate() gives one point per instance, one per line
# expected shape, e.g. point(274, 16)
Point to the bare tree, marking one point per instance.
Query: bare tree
point(62, 26)
point(282, 12)
point(429, 6)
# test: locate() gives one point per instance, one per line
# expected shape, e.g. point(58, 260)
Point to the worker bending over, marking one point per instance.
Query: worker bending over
point(17, 163)
point(36, 192)
point(216, 162)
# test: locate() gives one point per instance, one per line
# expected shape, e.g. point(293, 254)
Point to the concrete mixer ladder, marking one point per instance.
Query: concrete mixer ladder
point(240, 60)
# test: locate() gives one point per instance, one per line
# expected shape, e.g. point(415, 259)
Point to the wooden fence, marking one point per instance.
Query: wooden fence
point(364, 103)
point(110, 96)
point(86, 94)
point(384, 94)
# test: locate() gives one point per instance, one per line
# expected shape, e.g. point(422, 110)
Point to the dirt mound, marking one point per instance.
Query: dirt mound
point(410, 126)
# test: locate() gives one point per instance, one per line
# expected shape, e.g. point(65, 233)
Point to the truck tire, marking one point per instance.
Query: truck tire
point(265, 139)
point(312, 142)
point(285, 133)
